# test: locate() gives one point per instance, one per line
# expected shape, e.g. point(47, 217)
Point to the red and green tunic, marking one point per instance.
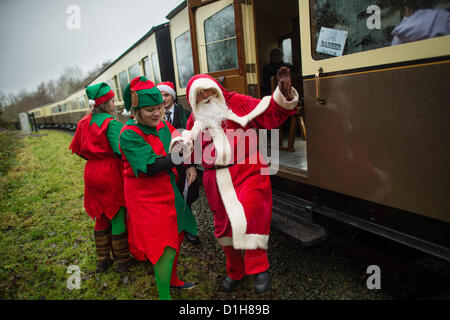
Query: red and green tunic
point(157, 211)
point(97, 140)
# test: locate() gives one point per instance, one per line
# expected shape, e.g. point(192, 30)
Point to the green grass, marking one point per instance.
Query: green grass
point(44, 228)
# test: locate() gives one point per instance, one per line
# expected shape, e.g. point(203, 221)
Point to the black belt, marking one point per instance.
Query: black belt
point(214, 167)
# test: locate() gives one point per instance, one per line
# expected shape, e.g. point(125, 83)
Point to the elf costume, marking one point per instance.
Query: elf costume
point(97, 140)
point(238, 195)
point(158, 214)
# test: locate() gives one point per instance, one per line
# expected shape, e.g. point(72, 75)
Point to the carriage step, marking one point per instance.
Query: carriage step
point(305, 234)
point(293, 216)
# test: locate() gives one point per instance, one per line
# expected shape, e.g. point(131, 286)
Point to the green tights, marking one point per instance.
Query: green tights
point(163, 272)
point(118, 222)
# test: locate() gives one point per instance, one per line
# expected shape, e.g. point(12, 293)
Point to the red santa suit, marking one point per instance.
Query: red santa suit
point(239, 195)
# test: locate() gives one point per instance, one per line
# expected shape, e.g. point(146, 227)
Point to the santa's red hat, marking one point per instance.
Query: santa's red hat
point(168, 87)
point(201, 82)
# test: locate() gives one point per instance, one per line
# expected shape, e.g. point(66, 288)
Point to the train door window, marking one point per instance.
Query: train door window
point(219, 46)
point(353, 26)
point(123, 80)
point(134, 71)
point(286, 46)
point(147, 69)
point(185, 64)
point(155, 65)
point(220, 40)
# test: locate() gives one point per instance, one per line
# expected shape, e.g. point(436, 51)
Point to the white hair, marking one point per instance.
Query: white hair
point(211, 114)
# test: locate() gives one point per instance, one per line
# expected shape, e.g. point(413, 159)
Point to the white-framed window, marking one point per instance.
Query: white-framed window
point(134, 71)
point(185, 65)
point(155, 65)
point(221, 40)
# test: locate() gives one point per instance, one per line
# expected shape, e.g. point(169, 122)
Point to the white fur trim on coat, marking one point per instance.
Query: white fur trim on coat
point(235, 211)
point(281, 100)
point(199, 84)
point(258, 110)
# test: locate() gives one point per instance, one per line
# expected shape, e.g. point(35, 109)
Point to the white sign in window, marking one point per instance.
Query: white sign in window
point(331, 41)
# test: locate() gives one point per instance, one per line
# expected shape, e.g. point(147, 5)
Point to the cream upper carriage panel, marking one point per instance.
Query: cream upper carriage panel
point(139, 60)
point(37, 112)
point(180, 38)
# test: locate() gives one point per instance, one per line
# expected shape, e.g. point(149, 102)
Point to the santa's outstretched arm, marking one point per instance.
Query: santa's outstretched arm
point(271, 111)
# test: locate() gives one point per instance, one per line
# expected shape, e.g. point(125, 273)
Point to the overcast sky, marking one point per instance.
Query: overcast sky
point(36, 43)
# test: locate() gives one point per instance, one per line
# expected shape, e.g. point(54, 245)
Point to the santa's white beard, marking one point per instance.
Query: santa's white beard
point(211, 114)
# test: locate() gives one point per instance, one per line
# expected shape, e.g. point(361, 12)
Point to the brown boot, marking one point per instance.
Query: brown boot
point(121, 252)
point(102, 245)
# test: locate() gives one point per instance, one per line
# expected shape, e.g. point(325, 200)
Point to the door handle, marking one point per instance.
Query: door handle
point(320, 100)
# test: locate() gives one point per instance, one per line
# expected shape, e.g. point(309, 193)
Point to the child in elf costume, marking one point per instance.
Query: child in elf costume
point(158, 214)
point(97, 140)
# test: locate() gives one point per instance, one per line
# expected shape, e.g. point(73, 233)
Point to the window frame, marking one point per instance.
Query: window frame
point(417, 50)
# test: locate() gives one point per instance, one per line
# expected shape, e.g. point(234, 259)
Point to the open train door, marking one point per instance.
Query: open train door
point(217, 41)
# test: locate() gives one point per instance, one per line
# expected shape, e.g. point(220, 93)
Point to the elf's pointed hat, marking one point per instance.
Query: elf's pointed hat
point(99, 93)
point(168, 87)
point(141, 92)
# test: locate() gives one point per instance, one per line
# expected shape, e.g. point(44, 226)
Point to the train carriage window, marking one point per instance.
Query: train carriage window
point(123, 80)
point(185, 64)
point(147, 68)
point(134, 71)
point(221, 40)
point(82, 103)
point(110, 83)
point(350, 26)
point(74, 104)
point(155, 64)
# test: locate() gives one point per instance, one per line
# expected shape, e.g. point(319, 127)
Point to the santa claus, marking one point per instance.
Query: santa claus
point(239, 195)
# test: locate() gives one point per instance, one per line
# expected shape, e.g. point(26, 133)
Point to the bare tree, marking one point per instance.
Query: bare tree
point(71, 80)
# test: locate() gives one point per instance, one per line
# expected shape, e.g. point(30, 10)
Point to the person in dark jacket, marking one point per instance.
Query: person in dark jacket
point(177, 116)
point(271, 69)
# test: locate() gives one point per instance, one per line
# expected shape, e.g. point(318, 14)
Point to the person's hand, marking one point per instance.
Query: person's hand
point(284, 82)
point(178, 147)
point(191, 174)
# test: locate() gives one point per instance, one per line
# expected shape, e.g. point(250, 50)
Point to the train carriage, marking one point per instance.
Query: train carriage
point(150, 56)
point(375, 114)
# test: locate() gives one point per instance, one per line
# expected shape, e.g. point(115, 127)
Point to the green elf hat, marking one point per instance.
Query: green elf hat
point(141, 92)
point(99, 93)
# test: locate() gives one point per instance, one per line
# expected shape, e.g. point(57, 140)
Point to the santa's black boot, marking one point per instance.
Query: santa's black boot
point(229, 284)
point(262, 282)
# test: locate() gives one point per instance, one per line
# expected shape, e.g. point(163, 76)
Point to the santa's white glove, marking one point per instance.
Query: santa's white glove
point(182, 144)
